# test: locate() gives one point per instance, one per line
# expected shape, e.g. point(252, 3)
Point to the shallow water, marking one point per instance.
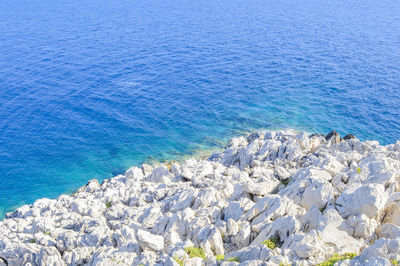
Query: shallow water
point(89, 88)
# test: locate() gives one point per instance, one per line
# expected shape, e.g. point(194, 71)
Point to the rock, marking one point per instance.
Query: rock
point(356, 199)
point(253, 136)
point(215, 241)
point(389, 231)
point(386, 248)
point(136, 173)
point(349, 136)
point(147, 169)
point(318, 193)
point(242, 239)
point(159, 175)
point(303, 140)
point(232, 227)
point(332, 237)
point(246, 253)
point(194, 262)
point(307, 246)
point(282, 227)
point(261, 188)
point(92, 186)
point(363, 226)
point(282, 173)
point(149, 241)
point(333, 136)
point(392, 210)
point(311, 219)
point(235, 209)
point(150, 217)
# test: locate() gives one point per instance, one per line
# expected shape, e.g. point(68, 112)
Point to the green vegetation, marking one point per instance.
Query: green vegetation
point(286, 181)
point(272, 242)
point(47, 233)
point(285, 264)
point(169, 164)
point(108, 204)
point(237, 259)
point(358, 170)
point(32, 241)
point(395, 262)
point(117, 261)
point(195, 252)
point(179, 261)
point(322, 209)
point(336, 257)
point(220, 257)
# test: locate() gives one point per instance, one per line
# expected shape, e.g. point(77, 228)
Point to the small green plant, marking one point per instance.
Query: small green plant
point(179, 261)
point(395, 262)
point(108, 204)
point(169, 164)
point(272, 242)
point(237, 259)
point(47, 232)
point(336, 257)
point(195, 252)
point(32, 241)
point(284, 264)
point(220, 257)
point(358, 170)
point(285, 182)
point(115, 260)
point(322, 209)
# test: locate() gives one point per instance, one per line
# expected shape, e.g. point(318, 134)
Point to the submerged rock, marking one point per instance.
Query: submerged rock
point(273, 197)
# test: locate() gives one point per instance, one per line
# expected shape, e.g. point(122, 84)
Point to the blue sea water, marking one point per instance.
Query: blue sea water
point(89, 88)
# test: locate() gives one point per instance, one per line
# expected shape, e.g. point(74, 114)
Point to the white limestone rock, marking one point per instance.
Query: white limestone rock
point(311, 219)
point(261, 188)
point(149, 241)
point(307, 246)
point(389, 231)
point(368, 199)
point(363, 226)
point(134, 173)
point(386, 248)
point(318, 192)
point(236, 209)
point(196, 261)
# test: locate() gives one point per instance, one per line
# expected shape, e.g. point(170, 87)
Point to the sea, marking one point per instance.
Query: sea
point(90, 88)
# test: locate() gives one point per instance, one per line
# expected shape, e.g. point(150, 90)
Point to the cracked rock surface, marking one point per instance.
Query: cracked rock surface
point(317, 195)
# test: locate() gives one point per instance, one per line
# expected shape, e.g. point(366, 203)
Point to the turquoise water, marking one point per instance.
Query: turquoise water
point(89, 88)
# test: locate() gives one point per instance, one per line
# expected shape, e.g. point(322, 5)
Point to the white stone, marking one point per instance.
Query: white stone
point(134, 173)
point(261, 188)
point(318, 192)
point(150, 241)
point(368, 199)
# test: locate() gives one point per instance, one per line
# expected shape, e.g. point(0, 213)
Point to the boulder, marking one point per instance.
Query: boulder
point(356, 199)
point(148, 241)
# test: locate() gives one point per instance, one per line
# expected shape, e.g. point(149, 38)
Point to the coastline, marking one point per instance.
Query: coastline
point(268, 198)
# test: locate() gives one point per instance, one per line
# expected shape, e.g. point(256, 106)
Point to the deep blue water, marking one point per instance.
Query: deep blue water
point(89, 88)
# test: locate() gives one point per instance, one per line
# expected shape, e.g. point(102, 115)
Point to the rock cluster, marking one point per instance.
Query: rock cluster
point(271, 198)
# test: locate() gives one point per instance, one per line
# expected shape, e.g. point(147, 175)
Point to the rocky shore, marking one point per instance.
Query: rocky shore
point(271, 198)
